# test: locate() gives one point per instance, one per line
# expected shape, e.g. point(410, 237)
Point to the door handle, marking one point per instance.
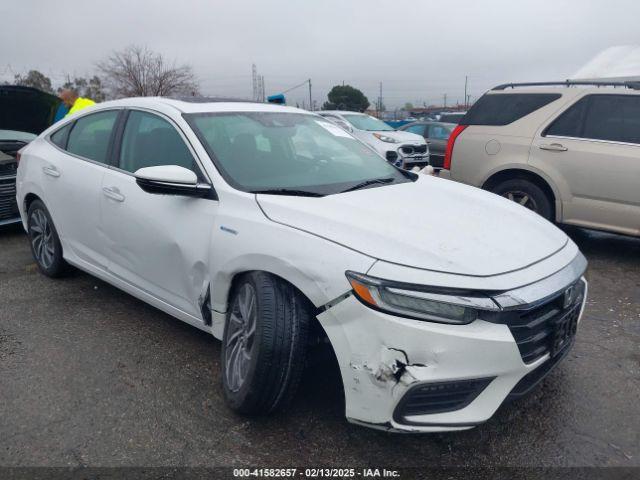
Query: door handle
point(113, 193)
point(554, 147)
point(51, 171)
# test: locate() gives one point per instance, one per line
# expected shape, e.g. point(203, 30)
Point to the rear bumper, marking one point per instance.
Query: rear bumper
point(413, 376)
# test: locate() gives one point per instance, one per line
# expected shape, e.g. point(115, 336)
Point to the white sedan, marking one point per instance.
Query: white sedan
point(403, 149)
point(273, 229)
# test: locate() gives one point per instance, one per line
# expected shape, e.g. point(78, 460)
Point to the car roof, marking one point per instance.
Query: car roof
point(429, 122)
point(200, 105)
point(343, 112)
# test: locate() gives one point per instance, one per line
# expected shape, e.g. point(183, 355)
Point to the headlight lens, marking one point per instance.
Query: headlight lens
point(384, 138)
point(418, 302)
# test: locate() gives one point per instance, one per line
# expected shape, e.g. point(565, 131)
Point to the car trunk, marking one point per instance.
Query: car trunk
point(24, 113)
point(26, 109)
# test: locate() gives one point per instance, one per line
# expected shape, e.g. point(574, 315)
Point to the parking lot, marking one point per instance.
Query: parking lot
point(92, 376)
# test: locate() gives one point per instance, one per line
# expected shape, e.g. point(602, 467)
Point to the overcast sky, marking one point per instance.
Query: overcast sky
point(419, 49)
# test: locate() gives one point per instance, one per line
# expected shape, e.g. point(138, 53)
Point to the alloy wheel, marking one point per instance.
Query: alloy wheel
point(42, 239)
point(521, 198)
point(240, 337)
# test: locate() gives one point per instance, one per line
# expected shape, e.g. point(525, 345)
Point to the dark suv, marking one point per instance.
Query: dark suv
point(25, 112)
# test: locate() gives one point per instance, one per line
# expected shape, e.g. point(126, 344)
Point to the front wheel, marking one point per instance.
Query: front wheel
point(527, 194)
point(264, 344)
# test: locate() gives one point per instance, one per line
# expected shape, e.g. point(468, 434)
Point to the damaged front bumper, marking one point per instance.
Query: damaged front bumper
point(417, 376)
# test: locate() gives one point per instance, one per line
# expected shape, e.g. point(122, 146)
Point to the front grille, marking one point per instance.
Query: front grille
point(8, 168)
point(414, 149)
point(534, 329)
point(430, 398)
point(417, 163)
point(530, 380)
point(8, 205)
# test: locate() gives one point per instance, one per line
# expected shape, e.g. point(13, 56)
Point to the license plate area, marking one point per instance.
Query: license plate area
point(564, 330)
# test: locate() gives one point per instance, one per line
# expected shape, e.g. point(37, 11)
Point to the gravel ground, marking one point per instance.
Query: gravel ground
point(91, 376)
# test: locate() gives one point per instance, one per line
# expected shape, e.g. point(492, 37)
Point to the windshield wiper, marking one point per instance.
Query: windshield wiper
point(367, 183)
point(288, 191)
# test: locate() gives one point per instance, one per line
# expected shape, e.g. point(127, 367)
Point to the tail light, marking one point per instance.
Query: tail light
point(449, 150)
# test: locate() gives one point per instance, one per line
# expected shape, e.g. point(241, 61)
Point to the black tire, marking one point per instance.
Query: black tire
point(274, 355)
point(44, 241)
point(527, 194)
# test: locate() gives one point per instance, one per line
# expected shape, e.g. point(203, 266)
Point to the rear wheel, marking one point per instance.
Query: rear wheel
point(44, 241)
point(527, 194)
point(264, 344)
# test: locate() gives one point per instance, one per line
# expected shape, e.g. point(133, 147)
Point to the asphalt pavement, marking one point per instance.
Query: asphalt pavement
point(92, 376)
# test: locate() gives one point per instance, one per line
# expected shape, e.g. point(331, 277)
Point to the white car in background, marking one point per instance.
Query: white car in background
point(403, 149)
point(273, 230)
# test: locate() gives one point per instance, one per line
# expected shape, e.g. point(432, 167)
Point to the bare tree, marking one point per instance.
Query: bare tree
point(35, 79)
point(138, 72)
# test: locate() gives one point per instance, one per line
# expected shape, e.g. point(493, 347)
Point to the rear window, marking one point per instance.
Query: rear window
point(503, 109)
point(60, 137)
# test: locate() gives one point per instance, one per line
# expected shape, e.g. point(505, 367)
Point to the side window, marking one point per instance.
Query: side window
point(90, 135)
point(613, 117)
point(499, 109)
point(569, 124)
point(417, 129)
point(59, 138)
point(150, 141)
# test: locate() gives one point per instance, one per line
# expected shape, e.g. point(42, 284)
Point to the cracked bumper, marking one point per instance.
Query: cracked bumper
point(382, 356)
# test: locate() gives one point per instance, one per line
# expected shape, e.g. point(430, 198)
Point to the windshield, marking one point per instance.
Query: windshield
point(367, 122)
point(288, 152)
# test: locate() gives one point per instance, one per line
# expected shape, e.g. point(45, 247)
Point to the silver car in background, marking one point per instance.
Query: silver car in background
point(570, 151)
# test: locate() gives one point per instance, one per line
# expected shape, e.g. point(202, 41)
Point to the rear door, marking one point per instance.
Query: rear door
point(593, 150)
point(72, 177)
point(157, 243)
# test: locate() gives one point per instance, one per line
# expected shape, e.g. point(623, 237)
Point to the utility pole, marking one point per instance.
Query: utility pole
point(445, 100)
point(380, 100)
point(310, 101)
point(254, 81)
point(466, 79)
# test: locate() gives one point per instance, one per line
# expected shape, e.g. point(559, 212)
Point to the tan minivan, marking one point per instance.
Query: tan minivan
point(568, 150)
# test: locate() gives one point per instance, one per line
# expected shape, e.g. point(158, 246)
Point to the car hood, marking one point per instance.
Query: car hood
point(402, 136)
point(26, 109)
point(432, 224)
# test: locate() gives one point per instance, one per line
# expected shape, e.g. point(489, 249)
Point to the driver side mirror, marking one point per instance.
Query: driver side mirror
point(171, 180)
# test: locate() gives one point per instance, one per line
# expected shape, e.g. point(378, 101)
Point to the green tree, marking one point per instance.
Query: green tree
point(408, 106)
point(345, 97)
point(90, 88)
point(34, 79)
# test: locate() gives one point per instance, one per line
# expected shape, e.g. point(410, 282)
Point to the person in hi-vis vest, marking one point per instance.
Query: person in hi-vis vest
point(71, 99)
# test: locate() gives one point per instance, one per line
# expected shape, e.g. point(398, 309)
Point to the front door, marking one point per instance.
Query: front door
point(157, 243)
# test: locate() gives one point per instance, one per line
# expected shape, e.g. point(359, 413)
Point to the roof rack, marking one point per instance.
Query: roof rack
point(570, 83)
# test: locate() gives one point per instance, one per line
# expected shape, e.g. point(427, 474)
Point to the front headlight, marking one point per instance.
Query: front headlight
point(384, 138)
point(418, 302)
